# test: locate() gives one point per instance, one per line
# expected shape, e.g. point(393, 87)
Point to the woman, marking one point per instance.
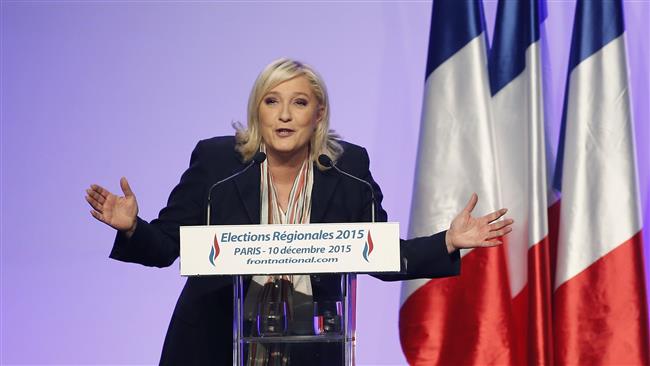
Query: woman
point(288, 119)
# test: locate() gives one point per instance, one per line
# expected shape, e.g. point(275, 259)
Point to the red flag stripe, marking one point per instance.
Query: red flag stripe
point(444, 321)
point(601, 315)
point(532, 310)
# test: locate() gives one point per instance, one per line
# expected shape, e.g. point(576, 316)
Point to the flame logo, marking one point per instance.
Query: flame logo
point(214, 251)
point(367, 249)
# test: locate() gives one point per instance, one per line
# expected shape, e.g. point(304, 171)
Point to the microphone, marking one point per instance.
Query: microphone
point(258, 158)
point(327, 161)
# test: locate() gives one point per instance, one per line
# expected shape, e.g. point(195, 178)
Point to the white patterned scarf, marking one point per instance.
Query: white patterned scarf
point(298, 211)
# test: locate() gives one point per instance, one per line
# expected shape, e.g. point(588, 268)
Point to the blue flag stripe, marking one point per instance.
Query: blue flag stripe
point(517, 26)
point(465, 17)
point(596, 24)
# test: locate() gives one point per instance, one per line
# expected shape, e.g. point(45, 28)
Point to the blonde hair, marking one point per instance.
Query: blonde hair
point(323, 141)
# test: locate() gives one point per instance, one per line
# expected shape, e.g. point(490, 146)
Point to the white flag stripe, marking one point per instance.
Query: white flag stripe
point(457, 107)
point(599, 127)
point(519, 124)
point(546, 71)
point(456, 155)
point(538, 182)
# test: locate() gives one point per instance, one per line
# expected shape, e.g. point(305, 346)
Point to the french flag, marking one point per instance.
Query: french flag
point(516, 61)
point(600, 295)
point(464, 319)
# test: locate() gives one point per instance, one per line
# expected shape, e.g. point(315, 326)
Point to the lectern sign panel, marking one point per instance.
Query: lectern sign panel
point(285, 249)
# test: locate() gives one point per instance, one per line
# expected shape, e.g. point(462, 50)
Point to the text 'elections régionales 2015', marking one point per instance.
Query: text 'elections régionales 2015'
point(289, 237)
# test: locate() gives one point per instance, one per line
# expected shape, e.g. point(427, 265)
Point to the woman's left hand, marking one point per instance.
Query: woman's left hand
point(473, 232)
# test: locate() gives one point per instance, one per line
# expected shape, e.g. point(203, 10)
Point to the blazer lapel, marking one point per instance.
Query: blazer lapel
point(324, 184)
point(248, 187)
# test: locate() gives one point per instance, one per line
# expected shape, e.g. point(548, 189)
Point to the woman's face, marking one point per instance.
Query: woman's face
point(289, 114)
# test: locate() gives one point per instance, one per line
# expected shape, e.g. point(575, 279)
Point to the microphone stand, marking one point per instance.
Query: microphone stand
point(258, 158)
point(327, 161)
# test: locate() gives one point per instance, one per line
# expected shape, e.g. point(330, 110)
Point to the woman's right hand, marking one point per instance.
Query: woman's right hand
point(117, 212)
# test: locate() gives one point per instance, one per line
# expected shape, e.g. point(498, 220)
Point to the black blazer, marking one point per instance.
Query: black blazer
point(200, 331)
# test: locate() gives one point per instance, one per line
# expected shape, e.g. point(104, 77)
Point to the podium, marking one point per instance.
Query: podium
point(298, 329)
point(294, 286)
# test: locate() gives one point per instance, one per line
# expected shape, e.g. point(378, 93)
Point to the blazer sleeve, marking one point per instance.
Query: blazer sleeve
point(423, 257)
point(157, 244)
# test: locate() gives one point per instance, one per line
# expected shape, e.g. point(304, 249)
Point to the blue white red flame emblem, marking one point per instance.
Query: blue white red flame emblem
point(367, 249)
point(214, 251)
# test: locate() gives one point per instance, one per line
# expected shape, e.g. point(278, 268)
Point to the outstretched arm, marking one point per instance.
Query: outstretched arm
point(437, 255)
point(118, 212)
point(156, 243)
point(474, 232)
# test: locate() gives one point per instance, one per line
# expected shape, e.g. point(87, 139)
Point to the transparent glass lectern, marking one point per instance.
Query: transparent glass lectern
point(305, 317)
point(282, 320)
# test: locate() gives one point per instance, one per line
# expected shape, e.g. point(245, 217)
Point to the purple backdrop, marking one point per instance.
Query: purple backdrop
point(91, 91)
